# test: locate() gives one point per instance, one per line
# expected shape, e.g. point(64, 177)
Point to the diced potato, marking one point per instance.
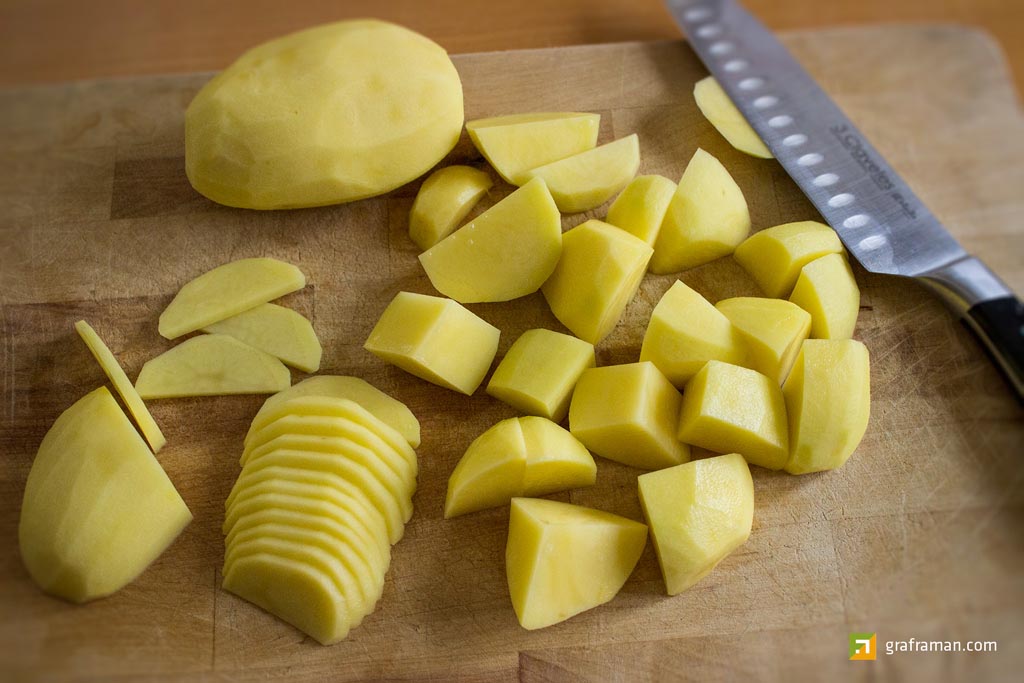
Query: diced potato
point(444, 199)
point(517, 143)
point(698, 513)
point(98, 508)
point(504, 253)
point(774, 257)
point(630, 414)
point(721, 113)
point(828, 399)
point(598, 275)
point(435, 339)
point(330, 114)
point(641, 207)
point(564, 559)
point(388, 410)
point(729, 409)
point(685, 332)
point(538, 373)
point(771, 329)
point(228, 290)
point(706, 219)
point(530, 456)
point(279, 331)
point(211, 365)
point(828, 291)
point(147, 425)
point(589, 179)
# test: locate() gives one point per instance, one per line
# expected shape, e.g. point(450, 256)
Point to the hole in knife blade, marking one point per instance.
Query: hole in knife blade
point(766, 101)
point(794, 140)
point(722, 47)
point(697, 14)
point(841, 199)
point(709, 31)
point(826, 179)
point(856, 221)
point(810, 159)
point(735, 65)
point(872, 242)
point(780, 121)
point(750, 83)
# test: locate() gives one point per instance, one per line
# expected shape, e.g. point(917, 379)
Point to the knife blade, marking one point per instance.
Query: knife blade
point(875, 213)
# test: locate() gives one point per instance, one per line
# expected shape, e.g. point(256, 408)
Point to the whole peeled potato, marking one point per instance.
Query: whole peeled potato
point(327, 115)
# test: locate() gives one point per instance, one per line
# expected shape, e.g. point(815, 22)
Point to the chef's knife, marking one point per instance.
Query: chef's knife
point(877, 216)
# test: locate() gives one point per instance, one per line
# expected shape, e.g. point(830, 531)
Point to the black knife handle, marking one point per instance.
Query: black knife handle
point(999, 324)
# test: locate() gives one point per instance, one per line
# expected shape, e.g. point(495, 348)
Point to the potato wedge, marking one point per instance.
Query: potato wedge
point(444, 199)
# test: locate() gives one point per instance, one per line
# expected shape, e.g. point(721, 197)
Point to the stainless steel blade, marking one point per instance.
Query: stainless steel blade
point(876, 214)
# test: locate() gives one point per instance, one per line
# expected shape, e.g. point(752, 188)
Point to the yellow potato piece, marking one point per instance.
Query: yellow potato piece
point(706, 219)
point(292, 591)
point(685, 332)
point(538, 373)
point(520, 456)
point(444, 199)
point(388, 410)
point(517, 143)
point(435, 339)
point(828, 399)
point(273, 329)
point(326, 115)
point(564, 559)
point(211, 365)
point(775, 256)
point(97, 508)
point(504, 253)
point(828, 291)
point(729, 409)
point(123, 386)
point(598, 275)
point(228, 290)
point(698, 513)
point(589, 179)
point(721, 113)
point(771, 329)
point(628, 413)
point(640, 208)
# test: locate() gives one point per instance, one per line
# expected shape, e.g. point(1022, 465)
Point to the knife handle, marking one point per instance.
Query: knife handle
point(999, 324)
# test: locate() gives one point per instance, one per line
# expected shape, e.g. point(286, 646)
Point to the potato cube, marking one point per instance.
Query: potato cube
point(539, 372)
point(435, 339)
point(587, 180)
point(685, 332)
point(771, 329)
point(774, 257)
point(628, 413)
point(729, 409)
point(698, 513)
point(444, 199)
point(827, 290)
point(596, 278)
point(828, 399)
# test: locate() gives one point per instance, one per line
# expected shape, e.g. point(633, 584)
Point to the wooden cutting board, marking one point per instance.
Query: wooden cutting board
point(919, 535)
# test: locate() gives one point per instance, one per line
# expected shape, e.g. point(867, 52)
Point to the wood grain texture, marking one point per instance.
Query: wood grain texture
point(917, 536)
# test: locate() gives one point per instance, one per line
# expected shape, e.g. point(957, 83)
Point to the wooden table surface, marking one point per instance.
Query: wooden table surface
point(62, 40)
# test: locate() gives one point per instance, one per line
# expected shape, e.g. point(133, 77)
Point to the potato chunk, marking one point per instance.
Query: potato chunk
point(228, 290)
point(685, 332)
point(827, 290)
point(729, 409)
point(828, 398)
point(444, 199)
point(564, 559)
point(98, 508)
point(640, 208)
point(705, 220)
point(123, 386)
point(435, 339)
point(211, 365)
point(279, 331)
point(598, 275)
point(504, 253)
point(539, 372)
point(698, 513)
point(630, 414)
point(518, 143)
point(589, 179)
point(326, 115)
point(774, 257)
point(721, 113)
point(771, 329)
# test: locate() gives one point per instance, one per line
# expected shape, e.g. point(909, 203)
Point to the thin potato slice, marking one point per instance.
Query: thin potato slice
point(721, 113)
point(589, 179)
point(279, 331)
